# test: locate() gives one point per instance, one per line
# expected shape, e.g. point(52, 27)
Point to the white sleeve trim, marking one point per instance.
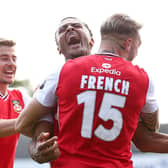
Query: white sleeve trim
point(48, 118)
point(46, 93)
point(151, 102)
point(26, 98)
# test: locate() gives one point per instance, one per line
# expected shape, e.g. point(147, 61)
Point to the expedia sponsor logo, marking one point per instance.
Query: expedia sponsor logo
point(106, 69)
point(106, 65)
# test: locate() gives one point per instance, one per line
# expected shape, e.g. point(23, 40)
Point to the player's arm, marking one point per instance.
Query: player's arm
point(30, 115)
point(43, 147)
point(150, 141)
point(150, 112)
point(43, 102)
point(150, 120)
point(147, 138)
point(7, 127)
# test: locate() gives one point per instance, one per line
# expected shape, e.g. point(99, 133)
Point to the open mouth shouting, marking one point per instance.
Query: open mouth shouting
point(73, 39)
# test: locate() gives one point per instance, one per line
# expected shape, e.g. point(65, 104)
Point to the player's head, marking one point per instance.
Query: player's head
point(124, 32)
point(73, 38)
point(7, 61)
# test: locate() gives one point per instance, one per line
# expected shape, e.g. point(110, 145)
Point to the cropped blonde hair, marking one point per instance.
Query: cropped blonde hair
point(120, 24)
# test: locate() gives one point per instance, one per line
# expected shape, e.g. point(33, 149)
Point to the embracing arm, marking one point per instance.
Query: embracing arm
point(25, 122)
point(7, 127)
point(147, 128)
point(147, 138)
point(151, 120)
point(150, 141)
point(30, 115)
point(43, 147)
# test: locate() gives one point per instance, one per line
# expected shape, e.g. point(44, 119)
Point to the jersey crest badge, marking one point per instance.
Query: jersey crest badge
point(16, 106)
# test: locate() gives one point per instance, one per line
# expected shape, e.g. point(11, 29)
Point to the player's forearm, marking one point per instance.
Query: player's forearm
point(7, 127)
point(158, 144)
point(30, 115)
point(148, 141)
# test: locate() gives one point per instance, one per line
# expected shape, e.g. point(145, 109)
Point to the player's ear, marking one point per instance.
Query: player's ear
point(127, 44)
point(59, 50)
point(91, 43)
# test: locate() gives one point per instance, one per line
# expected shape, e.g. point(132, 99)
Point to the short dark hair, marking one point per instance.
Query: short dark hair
point(7, 42)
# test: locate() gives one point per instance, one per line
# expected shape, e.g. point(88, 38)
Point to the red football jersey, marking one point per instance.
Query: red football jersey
point(99, 100)
point(10, 107)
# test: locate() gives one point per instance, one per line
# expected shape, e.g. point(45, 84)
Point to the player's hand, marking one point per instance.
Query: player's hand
point(44, 149)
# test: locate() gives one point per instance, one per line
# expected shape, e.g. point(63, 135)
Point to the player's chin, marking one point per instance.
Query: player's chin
point(77, 53)
point(10, 81)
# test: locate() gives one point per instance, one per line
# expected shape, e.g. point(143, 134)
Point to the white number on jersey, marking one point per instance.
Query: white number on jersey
point(106, 112)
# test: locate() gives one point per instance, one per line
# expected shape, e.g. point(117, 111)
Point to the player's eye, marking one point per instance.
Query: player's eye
point(77, 25)
point(4, 58)
point(14, 58)
point(62, 29)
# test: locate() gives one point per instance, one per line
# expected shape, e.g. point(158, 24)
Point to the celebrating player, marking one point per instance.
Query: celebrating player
point(96, 94)
point(11, 103)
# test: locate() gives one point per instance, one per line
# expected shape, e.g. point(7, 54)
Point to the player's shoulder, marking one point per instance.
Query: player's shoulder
point(13, 92)
point(137, 69)
point(53, 75)
point(82, 60)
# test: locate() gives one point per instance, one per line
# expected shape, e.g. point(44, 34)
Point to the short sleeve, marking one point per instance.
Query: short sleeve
point(48, 118)
point(151, 101)
point(46, 93)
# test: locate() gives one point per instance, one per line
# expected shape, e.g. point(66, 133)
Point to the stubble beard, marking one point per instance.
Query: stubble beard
point(5, 82)
point(80, 53)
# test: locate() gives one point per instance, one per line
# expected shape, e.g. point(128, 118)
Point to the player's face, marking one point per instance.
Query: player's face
point(7, 65)
point(73, 38)
point(134, 49)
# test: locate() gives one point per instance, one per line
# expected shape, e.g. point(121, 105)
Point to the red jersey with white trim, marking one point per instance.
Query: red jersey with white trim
point(10, 107)
point(99, 99)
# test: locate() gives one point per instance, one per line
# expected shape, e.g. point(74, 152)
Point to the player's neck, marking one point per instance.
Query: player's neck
point(108, 52)
point(112, 47)
point(3, 89)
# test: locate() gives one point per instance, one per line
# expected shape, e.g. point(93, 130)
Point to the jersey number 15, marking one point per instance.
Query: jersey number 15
point(107, 112)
